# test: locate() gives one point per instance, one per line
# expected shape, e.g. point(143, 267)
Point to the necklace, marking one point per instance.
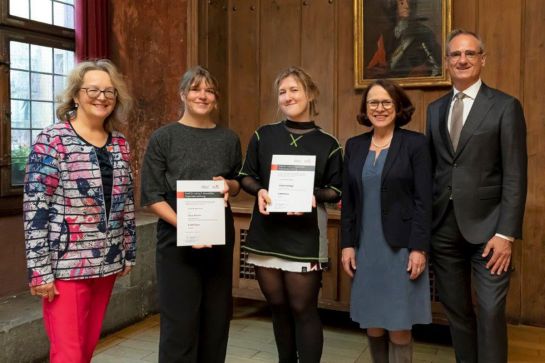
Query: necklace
point(380, 146)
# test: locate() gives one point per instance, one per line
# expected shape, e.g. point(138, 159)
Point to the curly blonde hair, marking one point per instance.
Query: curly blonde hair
point(66, 110)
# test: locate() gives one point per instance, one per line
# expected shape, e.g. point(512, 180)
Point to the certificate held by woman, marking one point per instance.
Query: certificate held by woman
point(200, 212)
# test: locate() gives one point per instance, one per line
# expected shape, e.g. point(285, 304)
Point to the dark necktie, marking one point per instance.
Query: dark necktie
point(457, 119)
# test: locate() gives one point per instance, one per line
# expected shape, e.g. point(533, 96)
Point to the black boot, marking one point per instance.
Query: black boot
point(400, 353)
point(378, 346)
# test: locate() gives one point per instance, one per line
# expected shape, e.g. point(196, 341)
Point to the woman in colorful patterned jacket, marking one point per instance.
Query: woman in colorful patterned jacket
point(79, 210)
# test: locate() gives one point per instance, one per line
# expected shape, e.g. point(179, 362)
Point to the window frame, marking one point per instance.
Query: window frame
point(34, 26)
point(13, 28)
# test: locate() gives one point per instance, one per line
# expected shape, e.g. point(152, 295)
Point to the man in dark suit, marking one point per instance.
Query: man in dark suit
point(478, 143)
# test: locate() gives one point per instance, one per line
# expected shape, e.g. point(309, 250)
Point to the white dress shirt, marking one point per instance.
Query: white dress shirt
point(471, 94)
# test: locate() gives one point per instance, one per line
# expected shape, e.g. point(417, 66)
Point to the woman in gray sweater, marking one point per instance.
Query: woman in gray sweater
point(194, 282)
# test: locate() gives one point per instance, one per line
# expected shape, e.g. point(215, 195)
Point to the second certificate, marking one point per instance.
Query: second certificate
point(291, 184)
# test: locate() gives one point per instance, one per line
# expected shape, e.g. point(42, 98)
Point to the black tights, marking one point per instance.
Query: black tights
point(293, 298)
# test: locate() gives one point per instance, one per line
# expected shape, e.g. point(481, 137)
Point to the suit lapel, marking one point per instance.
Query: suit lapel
point(361, 156)
point(443, 120)
point(393, 151)
point(480, 108)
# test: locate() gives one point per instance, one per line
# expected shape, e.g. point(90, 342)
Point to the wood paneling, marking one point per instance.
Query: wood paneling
point(347, 98)
point(280, 47)
point(533, 246)
point(418, 121)
point(330, 277)
point(246, 48)
point(244, 279)
point(318, 34)
point(502, 40)
point(503, 71)
point(318, 51)
point(244, 63)
point(465, 14)
point(217, 21)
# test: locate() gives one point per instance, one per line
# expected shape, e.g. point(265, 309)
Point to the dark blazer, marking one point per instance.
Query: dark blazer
point(405, 192)
point(486, 176)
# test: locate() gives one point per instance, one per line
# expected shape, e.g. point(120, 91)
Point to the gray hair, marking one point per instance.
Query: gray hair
point(454, 33)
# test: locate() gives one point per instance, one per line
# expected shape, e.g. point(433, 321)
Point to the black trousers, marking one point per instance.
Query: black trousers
point(481, 335)
point(194, 300)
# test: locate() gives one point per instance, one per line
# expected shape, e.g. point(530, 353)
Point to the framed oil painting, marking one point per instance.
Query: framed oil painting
point(403, 40)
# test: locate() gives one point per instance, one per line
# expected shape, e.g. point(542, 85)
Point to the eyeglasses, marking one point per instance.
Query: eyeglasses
point(471, 55)
point(109, 93)
point(386, 104)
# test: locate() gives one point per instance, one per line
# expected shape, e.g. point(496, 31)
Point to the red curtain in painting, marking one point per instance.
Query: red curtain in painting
point(92, 29)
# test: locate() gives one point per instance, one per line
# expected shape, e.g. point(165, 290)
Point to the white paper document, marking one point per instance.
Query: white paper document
point(200, 212)
point(291, 184)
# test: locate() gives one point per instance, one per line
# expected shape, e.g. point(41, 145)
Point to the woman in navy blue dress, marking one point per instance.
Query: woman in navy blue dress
point(386, 223)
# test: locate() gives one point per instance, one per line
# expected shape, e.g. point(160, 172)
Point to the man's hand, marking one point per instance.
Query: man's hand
point(348, 260)
point(501, 255)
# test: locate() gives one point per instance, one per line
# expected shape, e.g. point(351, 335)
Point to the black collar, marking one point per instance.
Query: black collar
point(300, 125)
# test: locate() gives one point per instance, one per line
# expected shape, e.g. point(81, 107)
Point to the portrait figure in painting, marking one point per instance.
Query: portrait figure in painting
point(400, 39)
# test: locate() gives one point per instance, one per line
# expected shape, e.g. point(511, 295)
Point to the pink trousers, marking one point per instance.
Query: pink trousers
point(73, 319)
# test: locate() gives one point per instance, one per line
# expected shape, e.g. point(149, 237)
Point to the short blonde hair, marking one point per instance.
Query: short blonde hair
point(310, 88)
point(66, 109)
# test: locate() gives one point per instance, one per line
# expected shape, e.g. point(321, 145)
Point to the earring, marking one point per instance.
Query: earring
point(76, 105)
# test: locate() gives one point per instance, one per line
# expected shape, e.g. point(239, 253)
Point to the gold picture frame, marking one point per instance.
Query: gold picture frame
point(403, 40)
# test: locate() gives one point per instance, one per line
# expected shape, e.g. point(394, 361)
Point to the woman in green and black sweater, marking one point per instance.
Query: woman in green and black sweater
point(289, 250)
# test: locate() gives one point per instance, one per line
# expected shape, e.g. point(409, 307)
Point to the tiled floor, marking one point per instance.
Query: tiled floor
point(251, 340)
